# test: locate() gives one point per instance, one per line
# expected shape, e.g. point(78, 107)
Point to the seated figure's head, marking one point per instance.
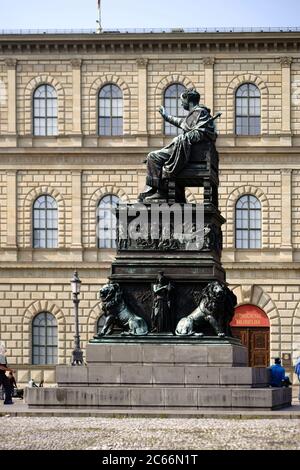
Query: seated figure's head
point(190, 95)
point(277, 360)
point(161, 278)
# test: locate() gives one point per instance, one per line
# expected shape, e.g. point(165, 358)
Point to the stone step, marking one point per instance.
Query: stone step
point(160, 397)
point(149, 350)
point(160, 374)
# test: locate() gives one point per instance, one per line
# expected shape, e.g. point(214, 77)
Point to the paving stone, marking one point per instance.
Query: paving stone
point(55, 433)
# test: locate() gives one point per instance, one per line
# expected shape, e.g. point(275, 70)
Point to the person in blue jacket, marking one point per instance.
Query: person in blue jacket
point(278, 377)
point(297, 368)
point(297, 371)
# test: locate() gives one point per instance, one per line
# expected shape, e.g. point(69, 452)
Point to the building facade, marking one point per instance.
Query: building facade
point(78, 115)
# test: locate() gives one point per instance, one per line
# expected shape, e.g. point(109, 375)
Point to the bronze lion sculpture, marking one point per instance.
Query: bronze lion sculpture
point(216, 306)
point(117, 313)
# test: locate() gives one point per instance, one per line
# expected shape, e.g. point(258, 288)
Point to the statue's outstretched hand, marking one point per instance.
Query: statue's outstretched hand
point(162, 111)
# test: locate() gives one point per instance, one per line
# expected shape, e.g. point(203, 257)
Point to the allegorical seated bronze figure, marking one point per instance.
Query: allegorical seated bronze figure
point(216, 306)
point(117, 313)
point(198, 126)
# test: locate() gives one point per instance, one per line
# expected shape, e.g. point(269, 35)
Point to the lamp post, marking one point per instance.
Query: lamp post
point(77, 355)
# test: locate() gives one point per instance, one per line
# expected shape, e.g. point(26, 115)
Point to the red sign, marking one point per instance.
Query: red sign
point(249, 316)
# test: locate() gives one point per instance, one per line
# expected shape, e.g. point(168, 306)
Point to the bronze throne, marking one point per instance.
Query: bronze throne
point(202, 170)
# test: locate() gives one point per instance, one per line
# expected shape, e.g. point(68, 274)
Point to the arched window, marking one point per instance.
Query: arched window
point(44, 339)
point(45, 111)
point(45, 223)
point(106, 222)
point(172, 103)
point(248, 222)
point(110, 110)
point(247, 110)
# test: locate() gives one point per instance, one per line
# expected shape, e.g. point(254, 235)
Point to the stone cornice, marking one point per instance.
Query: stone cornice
point(233, 154)
point(34, 267)
point(261, 266)
point(206, 43)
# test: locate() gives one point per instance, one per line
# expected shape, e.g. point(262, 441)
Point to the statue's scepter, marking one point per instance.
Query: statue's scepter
point(208, 121)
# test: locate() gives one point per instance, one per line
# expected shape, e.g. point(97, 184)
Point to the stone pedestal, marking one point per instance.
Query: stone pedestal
point(189, 268)
point(163, 372)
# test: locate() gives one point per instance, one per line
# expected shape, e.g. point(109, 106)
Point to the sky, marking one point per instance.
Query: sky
point(77, 14)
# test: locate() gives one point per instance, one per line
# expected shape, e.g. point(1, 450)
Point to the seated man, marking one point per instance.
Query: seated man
point(169, 161)
point(278, 377)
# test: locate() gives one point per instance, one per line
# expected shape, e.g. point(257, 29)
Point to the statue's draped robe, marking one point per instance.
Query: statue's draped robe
point(170, 160)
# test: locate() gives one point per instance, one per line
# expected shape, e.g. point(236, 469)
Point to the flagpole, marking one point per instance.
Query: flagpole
point(99, 26)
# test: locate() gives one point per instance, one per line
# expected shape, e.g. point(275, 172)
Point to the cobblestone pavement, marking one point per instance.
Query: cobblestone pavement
point(148, 433)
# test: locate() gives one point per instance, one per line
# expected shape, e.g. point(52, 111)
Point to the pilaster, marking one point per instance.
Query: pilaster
point(286, 209)
point(286, 63)
point(76, 64)
point(209, 81)
point(11, 178)
point(142, 95)
point(12, 102)
point(76, 210)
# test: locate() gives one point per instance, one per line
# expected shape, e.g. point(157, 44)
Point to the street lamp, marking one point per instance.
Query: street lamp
point(77, 355)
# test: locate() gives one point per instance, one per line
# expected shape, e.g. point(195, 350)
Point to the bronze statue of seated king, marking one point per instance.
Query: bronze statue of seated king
point(195, 145)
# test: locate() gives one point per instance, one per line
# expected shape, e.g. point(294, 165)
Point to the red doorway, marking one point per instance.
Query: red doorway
point(251, 325)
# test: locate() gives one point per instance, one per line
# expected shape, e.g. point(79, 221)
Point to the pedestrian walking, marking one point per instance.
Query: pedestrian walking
point(4, 380)
point(297, 372)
